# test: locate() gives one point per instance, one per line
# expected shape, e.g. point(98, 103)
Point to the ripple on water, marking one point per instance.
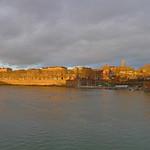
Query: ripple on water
point(43, 118)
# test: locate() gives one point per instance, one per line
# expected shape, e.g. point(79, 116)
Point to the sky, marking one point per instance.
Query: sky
point(74, 32)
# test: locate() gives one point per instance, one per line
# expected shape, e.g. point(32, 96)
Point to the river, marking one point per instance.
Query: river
point(57, 118)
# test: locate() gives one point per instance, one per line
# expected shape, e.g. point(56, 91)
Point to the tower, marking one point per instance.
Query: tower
point(123, 62)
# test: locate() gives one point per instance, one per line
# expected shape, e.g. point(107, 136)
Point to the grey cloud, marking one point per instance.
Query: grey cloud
point(77, 32)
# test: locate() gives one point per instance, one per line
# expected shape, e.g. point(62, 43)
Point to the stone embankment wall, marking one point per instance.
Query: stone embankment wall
point(33, 82)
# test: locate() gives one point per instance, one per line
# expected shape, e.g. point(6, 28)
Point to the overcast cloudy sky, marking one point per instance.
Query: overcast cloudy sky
point(74, 32)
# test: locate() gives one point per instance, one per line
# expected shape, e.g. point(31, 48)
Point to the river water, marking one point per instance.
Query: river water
point(55, 118)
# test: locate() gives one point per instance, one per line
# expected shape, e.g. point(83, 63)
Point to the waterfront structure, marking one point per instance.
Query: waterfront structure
point(57, 75)
point(76, 77)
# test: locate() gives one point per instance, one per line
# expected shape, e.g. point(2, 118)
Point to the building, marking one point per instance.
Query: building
point(5, 69)
point(57, 75)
